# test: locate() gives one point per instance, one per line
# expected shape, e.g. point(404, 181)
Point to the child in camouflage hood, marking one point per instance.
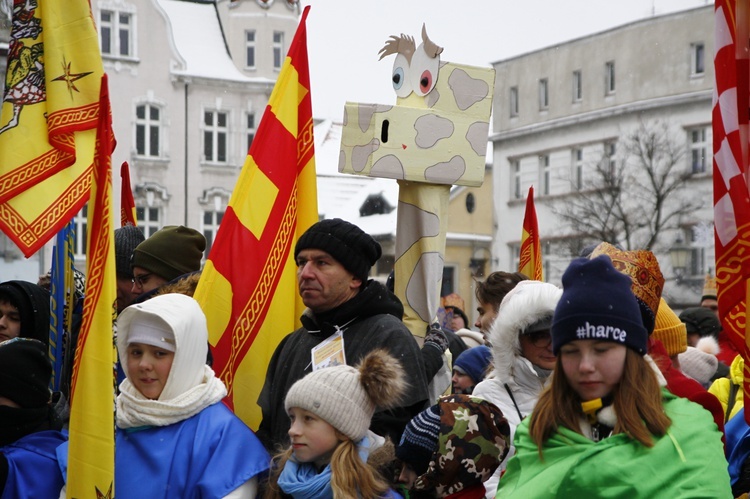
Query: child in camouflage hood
point(451, 448)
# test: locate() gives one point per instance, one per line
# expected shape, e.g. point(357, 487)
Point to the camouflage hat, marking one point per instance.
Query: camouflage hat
point(474, 438)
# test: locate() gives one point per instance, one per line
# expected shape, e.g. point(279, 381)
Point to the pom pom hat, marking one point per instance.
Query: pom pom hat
point(346, 397)
point(347, 243)
point(597, 304)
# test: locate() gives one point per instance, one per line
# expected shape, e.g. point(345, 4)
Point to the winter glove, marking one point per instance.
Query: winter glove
point(436, 337)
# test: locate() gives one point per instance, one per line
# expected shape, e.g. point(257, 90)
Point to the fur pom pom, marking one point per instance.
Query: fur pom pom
point(708, 344)
point(382, 377)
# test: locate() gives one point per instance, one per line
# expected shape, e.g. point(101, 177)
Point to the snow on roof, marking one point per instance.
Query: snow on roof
point(198, 40)
point(340, 195)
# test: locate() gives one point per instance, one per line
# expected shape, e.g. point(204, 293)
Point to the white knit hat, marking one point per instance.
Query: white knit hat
point(699, 365)
point(346, 397)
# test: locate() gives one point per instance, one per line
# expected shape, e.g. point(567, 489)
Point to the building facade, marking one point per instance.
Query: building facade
point(563, 113)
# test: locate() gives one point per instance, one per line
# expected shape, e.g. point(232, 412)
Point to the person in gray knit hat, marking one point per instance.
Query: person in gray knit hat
point(169, 253)
point(330, 411)
point(126, 240)
point(351, 316)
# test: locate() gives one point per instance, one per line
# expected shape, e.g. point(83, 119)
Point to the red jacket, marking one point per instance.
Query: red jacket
point(685, 387)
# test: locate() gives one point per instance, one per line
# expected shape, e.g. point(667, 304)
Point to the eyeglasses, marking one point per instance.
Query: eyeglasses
point(539, 339)
point(140, 280)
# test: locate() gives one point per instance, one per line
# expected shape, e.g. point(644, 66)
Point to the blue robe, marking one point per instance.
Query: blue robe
point(207, 455)
point(33, 470)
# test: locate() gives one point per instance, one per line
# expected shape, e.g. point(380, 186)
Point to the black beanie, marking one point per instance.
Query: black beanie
point(597, 304)
point(126, 240)
point(171, 252)
point(32, 302)
point(25, 372)
point(347, 243)
point(701, 320)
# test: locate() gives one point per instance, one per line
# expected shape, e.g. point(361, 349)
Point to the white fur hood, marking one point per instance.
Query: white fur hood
point(526, 304)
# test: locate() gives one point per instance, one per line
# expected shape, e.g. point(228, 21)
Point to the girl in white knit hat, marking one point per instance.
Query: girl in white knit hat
point(330, 411)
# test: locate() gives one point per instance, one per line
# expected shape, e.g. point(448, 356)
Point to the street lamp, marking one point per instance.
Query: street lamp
point(679, 257)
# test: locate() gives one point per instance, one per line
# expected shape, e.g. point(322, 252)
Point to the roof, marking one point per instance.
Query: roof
point(340, 195)
point(199, 41)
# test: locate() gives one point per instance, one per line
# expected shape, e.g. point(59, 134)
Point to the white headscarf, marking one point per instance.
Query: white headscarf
point(191, 385)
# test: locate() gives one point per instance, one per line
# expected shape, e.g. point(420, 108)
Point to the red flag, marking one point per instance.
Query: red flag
point(91, 449)
point(127, 203)
point(530, 260)
point(248, 287)
point(730, 172)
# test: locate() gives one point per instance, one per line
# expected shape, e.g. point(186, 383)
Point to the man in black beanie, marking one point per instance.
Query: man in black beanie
point(126, 240)
point(348, 314)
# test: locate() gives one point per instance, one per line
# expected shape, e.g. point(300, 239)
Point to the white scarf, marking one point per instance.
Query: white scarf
point(134, 410)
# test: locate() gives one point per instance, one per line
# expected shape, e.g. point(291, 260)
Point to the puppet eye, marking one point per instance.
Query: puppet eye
point(399, 76)
point(424, 71)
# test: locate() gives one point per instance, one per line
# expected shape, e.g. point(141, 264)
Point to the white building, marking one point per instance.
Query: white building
point(560, 111)
point(189, 81)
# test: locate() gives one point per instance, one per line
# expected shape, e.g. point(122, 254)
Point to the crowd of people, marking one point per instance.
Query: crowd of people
point(594, 389)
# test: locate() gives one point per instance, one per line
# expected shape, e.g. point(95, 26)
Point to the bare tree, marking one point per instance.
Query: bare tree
point(633, 200)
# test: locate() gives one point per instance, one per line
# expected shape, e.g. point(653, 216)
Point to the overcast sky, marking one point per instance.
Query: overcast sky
point(344, 36)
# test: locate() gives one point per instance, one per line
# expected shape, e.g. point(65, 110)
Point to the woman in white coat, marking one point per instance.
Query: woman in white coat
point(522, 355)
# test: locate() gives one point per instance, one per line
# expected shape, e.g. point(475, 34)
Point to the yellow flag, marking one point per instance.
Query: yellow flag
point(48, 121)
point(248, 288)
point(91, 447)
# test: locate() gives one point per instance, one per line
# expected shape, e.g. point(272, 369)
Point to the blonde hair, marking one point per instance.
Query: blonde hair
point(637, 404)
point(350, 476)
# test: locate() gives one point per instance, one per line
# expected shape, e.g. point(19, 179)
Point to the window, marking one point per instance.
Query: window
point(577, 86)
point(250, 131)
point(215, 134)
point(211, 221)
point(543, 94)
point(609, 163)
point(148, 220)
point(609, 82)
point(578, 168)
point(698, 149)
point(513, 102)
point(147, 130)
point(79, 237)
point(547, 257)
point(516, 169)
point(250, 49)
point(448, 285)
point(116, 33)
point(278, 49)
point(544, 171)
point(697, 60)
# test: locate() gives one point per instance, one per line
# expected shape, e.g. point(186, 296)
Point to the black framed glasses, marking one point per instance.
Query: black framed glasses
point(540, 339)
point(141, 279)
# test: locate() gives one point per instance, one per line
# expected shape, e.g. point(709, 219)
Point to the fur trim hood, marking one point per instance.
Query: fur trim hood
point(527, 303)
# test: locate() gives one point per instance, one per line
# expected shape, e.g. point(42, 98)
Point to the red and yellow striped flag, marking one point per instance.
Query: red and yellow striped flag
point(127, 203)
point(730, 172)
point(91, 448)
point(248, 288)
point(530, 261)
point(48, 120)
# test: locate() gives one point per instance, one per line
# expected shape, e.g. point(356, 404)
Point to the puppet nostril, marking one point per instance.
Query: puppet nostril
point(384, 132)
